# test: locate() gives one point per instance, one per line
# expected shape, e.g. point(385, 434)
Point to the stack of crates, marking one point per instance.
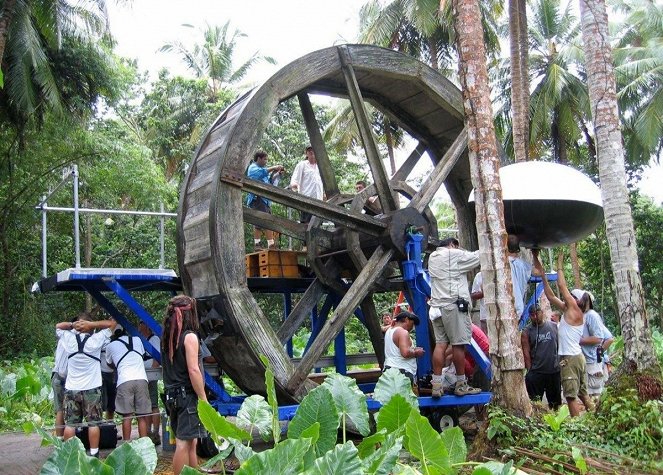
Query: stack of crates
point(272, 263)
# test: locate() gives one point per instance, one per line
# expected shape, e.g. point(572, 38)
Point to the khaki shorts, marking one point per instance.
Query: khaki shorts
point(79, 405)
point(595, 379)
point(574, 376)
point(133, 397)
point(452, 327)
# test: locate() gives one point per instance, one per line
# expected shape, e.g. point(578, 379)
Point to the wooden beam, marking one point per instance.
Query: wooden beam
point(344, 310)
point(301, 311)
point(374, 327)
point(337, 214)
point(378, 172)
point(313, 129)
point(409, 163)
point(432, 184)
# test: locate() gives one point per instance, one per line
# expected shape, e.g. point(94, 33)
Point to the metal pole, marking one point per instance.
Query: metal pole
point(162, 261)
point(43, 240)
point(77, 248)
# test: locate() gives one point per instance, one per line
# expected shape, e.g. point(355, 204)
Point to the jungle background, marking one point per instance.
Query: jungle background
point(67, 98)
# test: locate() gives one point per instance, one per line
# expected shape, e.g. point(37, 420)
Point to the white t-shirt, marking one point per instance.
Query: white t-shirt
point(476, 287)
point(308, 180)
point(83, 372)
point(155, 341)
point(60, 364)
point(131, 367)
point(448, 272)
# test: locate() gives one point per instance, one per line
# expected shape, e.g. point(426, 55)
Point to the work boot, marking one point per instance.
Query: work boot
point(464, 389)
point(154, 437)
point(436, 389)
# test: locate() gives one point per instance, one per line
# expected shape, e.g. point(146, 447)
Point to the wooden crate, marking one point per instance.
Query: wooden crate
point(272, 263)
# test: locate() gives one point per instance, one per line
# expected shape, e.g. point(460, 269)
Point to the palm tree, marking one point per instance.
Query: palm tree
point(639, 73)
point(32, 35)
point(508, 380)
point(518, 49)
point(639, 356)
point(213, 59)
point(560, 101)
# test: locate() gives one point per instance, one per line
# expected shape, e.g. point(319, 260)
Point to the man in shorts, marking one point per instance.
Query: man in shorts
point(449, 311)
point(125, 354)
point(82, 396)
point(153, 422)
point(259, 171)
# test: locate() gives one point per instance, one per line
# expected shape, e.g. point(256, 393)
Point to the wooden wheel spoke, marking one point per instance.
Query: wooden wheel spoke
point(337, 214)
point(346, 307)
point(428, 189)
point(313, 128)
point(301, 311)
point(378, 171)
point(409, 164)
point(374, 327)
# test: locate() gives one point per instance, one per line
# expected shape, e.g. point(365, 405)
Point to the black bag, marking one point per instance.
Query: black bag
point(107, 440)
point(206, 447)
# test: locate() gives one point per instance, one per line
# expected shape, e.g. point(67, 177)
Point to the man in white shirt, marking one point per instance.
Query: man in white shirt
point(125, 353)
point(153, 422)
point(306, 180)
point(82, 396)
point(449, 311)
point(58, 378)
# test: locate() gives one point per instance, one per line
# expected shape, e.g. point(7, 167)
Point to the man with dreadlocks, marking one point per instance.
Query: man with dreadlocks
point(183, 378)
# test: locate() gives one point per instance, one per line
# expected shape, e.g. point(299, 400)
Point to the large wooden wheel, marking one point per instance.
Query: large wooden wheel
point(210, 232)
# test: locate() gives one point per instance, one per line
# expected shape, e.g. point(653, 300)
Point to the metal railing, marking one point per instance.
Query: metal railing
point(72, 173)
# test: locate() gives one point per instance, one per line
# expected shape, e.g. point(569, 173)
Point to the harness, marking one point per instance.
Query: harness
point(130, 348)
point(81, 348)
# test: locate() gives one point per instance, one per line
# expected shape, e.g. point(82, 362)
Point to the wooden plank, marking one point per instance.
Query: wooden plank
point(344, 310)
point(378, 172)
point(428, 189)
point(301, 311)
point(337, 214)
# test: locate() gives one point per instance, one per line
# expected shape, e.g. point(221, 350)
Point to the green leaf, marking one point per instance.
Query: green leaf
point(392, 382)
point(393, 415)
point(317, 406)
point(555, 420)
point(312, 433)
point(383, 460)
point(401, 469)
point(369, 445)
point(285, 458)
point(425, 444)
point(217, 425)
point(271, 399)
point(189, 471)
point(497, 468)
point(242, 452)
point(256, 412)
point(343, 460)
point(135, 457)
point(349, 400)
point(70, 458)
point(581, 463)
point(454, 441)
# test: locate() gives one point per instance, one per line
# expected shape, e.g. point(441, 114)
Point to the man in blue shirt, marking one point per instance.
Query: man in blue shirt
point(521, 271)
point(259, 171)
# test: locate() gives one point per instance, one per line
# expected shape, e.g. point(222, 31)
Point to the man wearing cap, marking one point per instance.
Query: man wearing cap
point(539, 341)
point(306, 180)
point(596, 338)
point(449, 311)
point(399, 351)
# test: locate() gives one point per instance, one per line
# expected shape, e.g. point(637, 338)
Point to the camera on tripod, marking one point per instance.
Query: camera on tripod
point(463, 305)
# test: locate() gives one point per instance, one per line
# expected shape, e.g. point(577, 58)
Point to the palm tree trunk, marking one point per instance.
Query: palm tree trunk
point(5, 20)
point(639, 353)
point(519, 78)
point(508, 380)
